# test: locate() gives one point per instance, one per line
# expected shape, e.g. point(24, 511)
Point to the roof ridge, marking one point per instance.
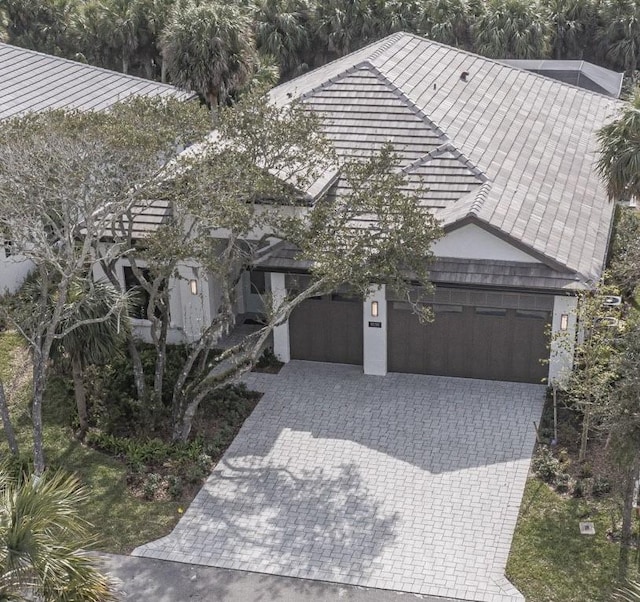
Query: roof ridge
point(501, 64)
point(94, 67)
point(447, 146)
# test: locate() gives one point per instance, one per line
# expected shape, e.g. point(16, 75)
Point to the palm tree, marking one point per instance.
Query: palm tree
point(619, 34)
point(571, 20)
point(514, 29)
point(342, 26)
point(209, 49)
point(282, 31)
point(446, 21)
point(629, 593)
point(619, 161)
point(91, 342)
point(41, 539)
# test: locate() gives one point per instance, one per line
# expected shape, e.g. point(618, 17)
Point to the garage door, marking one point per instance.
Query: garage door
point(470, 341)
point(327, 329)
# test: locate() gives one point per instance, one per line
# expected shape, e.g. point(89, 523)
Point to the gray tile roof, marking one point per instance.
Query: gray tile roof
point(31, 81)
point(579, 73)
point(453, 271)
point(527, 142)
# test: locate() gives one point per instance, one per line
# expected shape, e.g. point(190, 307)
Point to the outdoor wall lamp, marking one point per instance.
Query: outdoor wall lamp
point(193, 287)
point(564, 321)
point(374, 309)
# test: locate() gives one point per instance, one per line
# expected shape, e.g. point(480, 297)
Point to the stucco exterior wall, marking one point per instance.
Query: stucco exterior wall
point(13, 270)
point(472, 242)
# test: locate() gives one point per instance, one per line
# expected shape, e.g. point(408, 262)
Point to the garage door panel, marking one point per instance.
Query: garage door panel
point(327, 330)
point(474, 342)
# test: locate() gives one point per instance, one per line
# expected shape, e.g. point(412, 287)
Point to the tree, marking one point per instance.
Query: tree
point(248, 184)
point(95, 340)
point(590, 383)
point(209, 48)
point(512, 29)
point(619, 33)
point(64, 178)
point(343, 26)
point(282, 30)
point(624, 264)
point(446, 21)
point(619, 160)
point(570, 21)
point(42, 535)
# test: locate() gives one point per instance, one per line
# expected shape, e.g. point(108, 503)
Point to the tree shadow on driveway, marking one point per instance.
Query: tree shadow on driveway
point(317, 523)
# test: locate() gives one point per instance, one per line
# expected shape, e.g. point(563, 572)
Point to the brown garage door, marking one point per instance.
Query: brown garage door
point(327, 329)
point(472, 342)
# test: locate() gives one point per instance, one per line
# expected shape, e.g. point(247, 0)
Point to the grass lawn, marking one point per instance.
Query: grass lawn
point(551, 561)
point(121, 520)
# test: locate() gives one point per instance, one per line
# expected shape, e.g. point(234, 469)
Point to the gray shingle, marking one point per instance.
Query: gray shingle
point(533, 139)
point(31, 81)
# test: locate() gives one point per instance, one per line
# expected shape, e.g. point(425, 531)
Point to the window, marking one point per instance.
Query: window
point(8, 248)
point(140, 298)
point(531, 314)
point(258, 285)
point(491, 311)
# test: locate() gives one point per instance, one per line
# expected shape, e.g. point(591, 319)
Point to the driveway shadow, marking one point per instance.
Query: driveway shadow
point(317, 523)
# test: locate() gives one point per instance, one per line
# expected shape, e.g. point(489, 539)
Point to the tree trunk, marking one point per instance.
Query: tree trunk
point(6, 423)
point(163, 71)
point(81, 396)
point(212, 99)
point(39, 380)
point(138, 370)
point(627, 514)
point(584, 437)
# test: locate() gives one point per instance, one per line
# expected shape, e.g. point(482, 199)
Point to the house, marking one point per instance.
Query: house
point(508, 157)
point(31, 81)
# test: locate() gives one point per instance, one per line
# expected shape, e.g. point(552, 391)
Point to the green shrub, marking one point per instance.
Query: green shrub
point(586, 472)
point(151, 485)
point(174, 486)
point(601, 486)
point(562, 482)
point(546, 465)
point(579, 488)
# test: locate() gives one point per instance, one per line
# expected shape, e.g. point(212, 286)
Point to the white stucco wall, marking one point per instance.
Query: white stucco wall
point(13, 270)
point(374, 343)
point(281, 343)
point(562, 342)
point(472, 242)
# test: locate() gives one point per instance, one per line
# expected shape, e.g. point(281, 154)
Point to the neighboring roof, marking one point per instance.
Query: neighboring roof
point(31, 81)
point(578, 73)
point(520, 148)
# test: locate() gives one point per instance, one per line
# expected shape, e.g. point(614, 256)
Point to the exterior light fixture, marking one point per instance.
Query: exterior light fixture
point(193, 287)
point(374, 309)
point(564, 321)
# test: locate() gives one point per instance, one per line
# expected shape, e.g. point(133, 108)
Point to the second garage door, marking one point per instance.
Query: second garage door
point(470, 341)
point(327, 329)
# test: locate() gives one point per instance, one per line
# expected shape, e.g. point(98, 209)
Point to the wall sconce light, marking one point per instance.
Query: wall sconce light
point(564, 321)
point(374, 309)
point(193, 287)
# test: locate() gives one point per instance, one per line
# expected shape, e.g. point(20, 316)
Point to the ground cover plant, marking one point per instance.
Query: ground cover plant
point(550, 560)
point(137, 483)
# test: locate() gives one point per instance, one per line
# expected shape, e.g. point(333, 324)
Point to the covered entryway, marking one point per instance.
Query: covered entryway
point(327, 329)
point(499, 337)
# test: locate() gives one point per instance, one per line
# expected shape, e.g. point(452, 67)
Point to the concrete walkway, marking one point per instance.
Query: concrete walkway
point(405, 482)
point(147, 580)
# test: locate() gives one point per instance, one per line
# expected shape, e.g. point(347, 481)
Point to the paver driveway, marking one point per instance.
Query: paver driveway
point(402, 482)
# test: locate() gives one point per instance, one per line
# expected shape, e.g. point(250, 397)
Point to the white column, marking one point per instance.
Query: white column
point(562, 339)
point(375, 332)
point(281, 346)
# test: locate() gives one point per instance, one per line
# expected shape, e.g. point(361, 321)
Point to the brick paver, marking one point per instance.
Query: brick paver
point(403, 482)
